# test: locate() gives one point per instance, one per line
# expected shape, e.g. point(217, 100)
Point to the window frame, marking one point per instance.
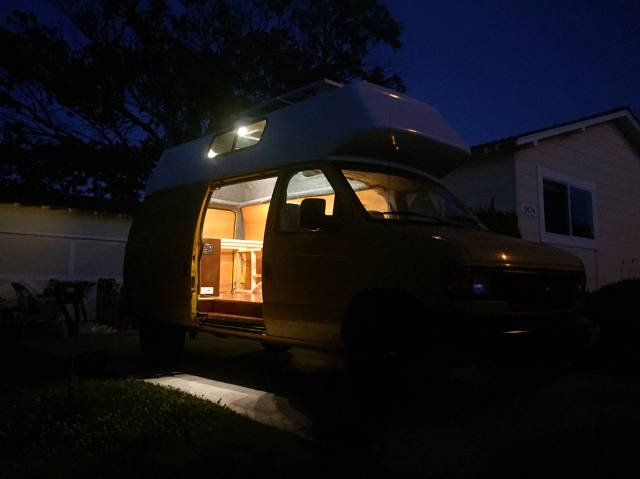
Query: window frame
point(235, 137)
point(283, 180)
point(569, 181)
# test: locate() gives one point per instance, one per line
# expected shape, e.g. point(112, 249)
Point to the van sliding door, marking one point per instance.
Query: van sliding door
point(161, 258)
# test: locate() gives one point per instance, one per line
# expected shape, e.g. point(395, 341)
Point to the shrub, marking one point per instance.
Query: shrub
point(615, 309)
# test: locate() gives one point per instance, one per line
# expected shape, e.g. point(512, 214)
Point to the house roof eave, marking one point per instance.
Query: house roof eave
point(622, 117)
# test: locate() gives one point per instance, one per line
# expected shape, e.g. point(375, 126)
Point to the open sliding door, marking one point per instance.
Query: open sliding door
point(161, 260)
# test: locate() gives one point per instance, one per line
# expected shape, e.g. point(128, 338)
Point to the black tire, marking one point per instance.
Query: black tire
point(275, 347)
point(161, 341)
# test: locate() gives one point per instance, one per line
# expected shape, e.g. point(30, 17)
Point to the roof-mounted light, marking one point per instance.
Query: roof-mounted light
point(241, 137)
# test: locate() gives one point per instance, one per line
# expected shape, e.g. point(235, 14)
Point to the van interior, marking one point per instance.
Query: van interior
point(232, 239)
point(233, 234)
point(231, 259)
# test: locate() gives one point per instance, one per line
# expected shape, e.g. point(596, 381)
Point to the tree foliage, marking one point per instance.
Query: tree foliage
point(88, 109)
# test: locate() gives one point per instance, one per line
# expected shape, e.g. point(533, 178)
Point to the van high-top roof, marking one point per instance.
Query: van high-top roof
point(357, 120)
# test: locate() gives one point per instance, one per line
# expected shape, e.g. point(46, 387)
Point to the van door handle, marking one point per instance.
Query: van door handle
point(266, 270)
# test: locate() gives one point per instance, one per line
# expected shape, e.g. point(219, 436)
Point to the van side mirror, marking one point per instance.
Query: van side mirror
point(312, 216)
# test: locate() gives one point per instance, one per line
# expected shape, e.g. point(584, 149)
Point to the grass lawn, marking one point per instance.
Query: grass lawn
point(98, 422)
point(114, 427)
point(57, 424)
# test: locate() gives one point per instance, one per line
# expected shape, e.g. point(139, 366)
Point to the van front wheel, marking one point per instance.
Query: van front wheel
point(377, 349)
point(161, 341)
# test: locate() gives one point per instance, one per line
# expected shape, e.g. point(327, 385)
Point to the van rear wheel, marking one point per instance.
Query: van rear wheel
point(161, 341)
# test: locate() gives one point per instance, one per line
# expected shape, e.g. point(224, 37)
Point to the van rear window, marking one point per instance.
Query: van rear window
point(241, 137)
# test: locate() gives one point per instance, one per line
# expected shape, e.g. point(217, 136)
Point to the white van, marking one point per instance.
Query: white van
point(322, 224)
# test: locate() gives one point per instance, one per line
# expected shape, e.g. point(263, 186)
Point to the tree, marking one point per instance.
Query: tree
point(89, 110)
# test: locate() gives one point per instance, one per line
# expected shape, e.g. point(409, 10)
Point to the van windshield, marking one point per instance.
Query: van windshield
point(400, 197)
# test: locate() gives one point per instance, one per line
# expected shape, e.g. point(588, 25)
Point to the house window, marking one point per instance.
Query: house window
point(568, 209)
point(581, 212)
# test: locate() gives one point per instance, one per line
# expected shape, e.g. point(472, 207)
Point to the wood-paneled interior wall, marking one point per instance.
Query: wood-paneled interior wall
point(255, 220)
point(219, 224)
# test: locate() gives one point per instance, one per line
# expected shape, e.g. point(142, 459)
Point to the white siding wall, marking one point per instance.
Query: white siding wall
point(600, 155)
point(38, 244)
point(485, 177)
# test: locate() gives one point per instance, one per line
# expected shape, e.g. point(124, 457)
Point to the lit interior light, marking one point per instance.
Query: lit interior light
point(211, 153)
point(243, 132)
point(504, 256)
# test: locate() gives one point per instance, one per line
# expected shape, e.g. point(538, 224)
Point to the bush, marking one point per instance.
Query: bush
point(615, 309)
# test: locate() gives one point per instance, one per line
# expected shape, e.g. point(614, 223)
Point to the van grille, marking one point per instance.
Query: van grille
point(536, 291)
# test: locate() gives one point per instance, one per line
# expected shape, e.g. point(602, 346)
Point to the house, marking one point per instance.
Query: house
point(46, 236)
point(575, 186)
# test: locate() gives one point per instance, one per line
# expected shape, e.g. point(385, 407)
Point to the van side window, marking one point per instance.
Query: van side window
point(309, 204)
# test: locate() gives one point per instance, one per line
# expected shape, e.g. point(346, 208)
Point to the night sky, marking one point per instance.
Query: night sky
point(499, 68)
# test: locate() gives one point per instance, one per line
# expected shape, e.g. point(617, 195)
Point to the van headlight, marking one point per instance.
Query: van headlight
point(464, 283)
point(480, 284)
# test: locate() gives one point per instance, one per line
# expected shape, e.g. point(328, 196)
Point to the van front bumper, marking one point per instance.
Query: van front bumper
point(553, 335)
